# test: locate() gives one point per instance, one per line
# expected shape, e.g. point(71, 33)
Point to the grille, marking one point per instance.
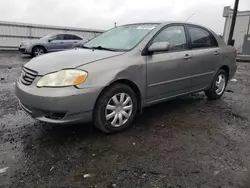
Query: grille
point(28, 76)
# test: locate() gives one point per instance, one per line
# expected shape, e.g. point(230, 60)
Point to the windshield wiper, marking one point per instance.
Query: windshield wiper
point(99, 48)
point(82, 46)
point(103, 48)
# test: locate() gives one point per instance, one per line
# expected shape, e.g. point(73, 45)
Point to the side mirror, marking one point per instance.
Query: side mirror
point(159, 47)
point(49, 40)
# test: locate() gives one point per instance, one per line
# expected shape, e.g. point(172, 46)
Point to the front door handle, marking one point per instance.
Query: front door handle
point(187, 56)
point(61, 42)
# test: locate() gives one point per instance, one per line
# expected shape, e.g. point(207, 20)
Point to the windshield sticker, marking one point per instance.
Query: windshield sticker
point(146, 27)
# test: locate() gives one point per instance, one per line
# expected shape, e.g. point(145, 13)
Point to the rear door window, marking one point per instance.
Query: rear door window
point(71, 37)
point(74, 37)
point(67, 37)
point(200, 38)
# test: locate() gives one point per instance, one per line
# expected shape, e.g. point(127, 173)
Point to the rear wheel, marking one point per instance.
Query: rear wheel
point(115, 109)
point(218, 85)
point(38, 50)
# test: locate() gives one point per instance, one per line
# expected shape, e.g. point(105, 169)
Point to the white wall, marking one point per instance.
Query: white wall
point(239, 32)
point(241, 27)
point(11, 33)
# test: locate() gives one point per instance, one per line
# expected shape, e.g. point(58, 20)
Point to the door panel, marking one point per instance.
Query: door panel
point(167, 72)
point(69, 41)
point(168, 75)
point(206, 56)
point(205, 62)
point(69, 44)
point(56, 43)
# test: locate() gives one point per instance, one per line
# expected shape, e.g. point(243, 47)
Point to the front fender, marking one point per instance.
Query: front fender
point(37, 44)
point(103, 73)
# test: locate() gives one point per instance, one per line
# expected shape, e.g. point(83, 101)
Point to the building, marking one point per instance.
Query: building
point(241, 34)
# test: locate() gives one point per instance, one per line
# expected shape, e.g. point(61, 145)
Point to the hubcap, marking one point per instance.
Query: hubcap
point(220, 84)
point(39, 51)
point(119, 109)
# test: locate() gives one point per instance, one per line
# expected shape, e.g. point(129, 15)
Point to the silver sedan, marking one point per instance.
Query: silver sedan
point(116, 74)
point(50, 43)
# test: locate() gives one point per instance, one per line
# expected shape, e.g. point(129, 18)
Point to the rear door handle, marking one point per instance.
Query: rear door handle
point(187, 56)
point(61, 42)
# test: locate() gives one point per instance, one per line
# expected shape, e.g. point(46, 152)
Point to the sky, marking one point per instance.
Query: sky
point(102, 14)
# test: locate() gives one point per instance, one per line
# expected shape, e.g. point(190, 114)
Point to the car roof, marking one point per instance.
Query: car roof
point(163, 23)
point(61, 33)
point(67, 33)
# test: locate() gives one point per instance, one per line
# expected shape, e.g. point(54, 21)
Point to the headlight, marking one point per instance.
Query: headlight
point(70, 77)
point(26, 44)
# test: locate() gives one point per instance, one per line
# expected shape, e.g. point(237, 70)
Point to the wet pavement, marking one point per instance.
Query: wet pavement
point(188, 142)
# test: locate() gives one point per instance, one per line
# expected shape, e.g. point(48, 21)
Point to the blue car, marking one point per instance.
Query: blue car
point(50, 43)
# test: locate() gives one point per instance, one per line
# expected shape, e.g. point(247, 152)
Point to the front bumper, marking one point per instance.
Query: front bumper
point(57, 105)
point(24, 49)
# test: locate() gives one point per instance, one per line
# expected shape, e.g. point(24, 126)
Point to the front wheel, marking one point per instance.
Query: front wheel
point(37, 51)
point(218, 85)
point(115, 109)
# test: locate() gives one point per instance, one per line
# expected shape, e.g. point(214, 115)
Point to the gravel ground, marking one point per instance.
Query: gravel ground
point(188, 142)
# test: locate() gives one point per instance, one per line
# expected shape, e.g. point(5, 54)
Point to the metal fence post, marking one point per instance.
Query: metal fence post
point(30, 31)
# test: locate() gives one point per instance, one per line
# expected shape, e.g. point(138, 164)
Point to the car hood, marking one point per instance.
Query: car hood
point(32, 41)
point(67, 59)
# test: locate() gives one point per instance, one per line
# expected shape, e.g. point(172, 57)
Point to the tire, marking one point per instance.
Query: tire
point(102, 111)
point(214, 92)
point(37, 51)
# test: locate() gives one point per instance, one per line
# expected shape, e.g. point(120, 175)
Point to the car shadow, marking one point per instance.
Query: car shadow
point(26, 57)
point(59, 135)
point(163, 109)
point(47, 145)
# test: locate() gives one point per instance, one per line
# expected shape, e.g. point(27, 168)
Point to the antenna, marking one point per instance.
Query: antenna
point(190, 17)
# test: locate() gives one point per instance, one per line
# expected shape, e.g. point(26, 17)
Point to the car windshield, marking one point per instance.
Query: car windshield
point(47, 36)
point(121, 38)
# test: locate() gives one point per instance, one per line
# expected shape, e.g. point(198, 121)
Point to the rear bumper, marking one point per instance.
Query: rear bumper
point(57, 105)
point(233, 70)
